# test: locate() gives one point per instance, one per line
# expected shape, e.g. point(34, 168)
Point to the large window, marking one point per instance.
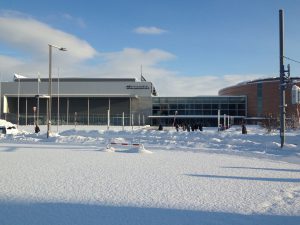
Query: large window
point(234, 106)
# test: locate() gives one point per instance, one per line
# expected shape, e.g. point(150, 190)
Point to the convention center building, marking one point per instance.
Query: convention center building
point(95, 101)
point(133, 102)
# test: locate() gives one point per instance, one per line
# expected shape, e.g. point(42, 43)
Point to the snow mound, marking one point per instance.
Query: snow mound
point(131, 149)
point(6, 123)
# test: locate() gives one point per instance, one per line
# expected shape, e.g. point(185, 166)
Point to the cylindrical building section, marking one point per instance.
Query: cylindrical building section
point(263, 97)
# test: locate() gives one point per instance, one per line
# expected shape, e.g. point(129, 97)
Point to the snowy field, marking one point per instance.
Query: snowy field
point(76, 177)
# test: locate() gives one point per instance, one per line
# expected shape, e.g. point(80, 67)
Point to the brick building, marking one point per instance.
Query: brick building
point(263, 97)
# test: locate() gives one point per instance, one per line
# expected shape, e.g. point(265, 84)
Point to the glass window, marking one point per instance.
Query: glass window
point(156, 107)
point(206, 106)
point(181, 106)
point(190, 112)
point(232, 112)
point(198, 106)
point(163, 100)
point(199, 100)
point(241, 113)
point(223, 100)
point(206, 112)
point(232, 106)
point(198, 112)
point(173, 106)
point(241, 106)
point(224, 106)
point(155, 100)
point(181, 112)
point(164, 106)
point(223, 111)
point(215, 106)
point(206, 99)
point(189, 106)
point(214, 112)
point(155, 112)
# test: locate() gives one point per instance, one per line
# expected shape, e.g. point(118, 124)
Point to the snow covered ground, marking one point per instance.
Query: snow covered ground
point(78, 177)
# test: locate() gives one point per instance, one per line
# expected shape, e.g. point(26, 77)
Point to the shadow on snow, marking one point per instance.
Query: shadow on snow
point(16, 213)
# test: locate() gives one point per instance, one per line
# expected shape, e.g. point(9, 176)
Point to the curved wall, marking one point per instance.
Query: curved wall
point(263, 97)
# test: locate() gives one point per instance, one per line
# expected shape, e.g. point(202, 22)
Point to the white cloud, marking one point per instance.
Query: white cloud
point(33, 37)
point(149, 30)
point(30, 37)
point(176, 85)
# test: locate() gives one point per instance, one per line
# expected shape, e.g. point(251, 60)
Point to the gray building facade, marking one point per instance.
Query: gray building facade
point(77, 100)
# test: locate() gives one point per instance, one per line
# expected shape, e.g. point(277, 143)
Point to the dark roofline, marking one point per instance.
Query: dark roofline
point(79, 79)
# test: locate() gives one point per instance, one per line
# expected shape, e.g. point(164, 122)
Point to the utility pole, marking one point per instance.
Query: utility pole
point(283, 78)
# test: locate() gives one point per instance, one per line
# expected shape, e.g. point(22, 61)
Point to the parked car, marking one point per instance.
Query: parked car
point(8, 130)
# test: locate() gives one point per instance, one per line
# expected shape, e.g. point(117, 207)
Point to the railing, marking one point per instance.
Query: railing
point(75, 118)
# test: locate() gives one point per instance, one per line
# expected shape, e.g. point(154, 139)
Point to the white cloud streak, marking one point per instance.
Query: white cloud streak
point(149, 30)
point(32, 36)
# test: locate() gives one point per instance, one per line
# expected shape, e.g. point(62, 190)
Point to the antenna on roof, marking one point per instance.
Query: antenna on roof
point(142, 77)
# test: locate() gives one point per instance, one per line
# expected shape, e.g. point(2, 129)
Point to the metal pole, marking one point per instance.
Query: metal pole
point(88, 111)
point(108, 114)
point(108, 121)
point(57, 99)
point(282, 80)
point(0, 95)
point(139, 118)
point(49, 92)
point(18, 103)
point(38, 101)
point(67, 111)
point(26, 111)
point(228, 121)
point(174, 121)
point(143, 120)
point(132, 121)
point(123, 120)
point(219, 118)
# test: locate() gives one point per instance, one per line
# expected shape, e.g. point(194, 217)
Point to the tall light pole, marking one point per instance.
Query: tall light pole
point(283, 78)
point(18, 102)
point(38, 100)
point(50, 86)
point(57, 99)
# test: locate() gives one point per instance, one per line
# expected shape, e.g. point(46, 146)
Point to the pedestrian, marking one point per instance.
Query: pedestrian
point(36, 129)
point(188, 128)
point(176, 127)
point(244, 129)
point(200, 127)
point(160, 127)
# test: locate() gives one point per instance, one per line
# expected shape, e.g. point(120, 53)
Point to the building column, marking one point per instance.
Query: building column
point(88, 111)
point(67, 111)
point(26, 111)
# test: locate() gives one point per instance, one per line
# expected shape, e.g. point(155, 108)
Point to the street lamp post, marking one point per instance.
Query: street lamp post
point(18, 103)
point(50, 86)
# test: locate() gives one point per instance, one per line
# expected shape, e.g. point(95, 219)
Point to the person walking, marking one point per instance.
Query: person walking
point(36, 129)
point(244, 129)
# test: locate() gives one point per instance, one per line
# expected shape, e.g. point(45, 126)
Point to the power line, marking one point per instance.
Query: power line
point(291, 59)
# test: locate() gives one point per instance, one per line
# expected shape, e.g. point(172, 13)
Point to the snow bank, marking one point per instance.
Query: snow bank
point(6, 123)
point(191, 178)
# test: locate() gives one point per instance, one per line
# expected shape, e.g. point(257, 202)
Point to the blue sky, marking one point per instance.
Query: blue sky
point(189, 47)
